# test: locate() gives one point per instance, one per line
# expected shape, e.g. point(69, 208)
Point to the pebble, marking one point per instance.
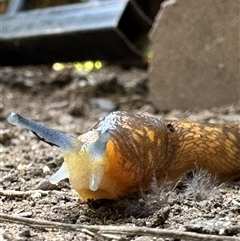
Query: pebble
point(26, 214)
point(103, 104)
point(65, 119)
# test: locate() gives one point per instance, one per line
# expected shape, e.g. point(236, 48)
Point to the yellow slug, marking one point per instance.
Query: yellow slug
point(122, 152)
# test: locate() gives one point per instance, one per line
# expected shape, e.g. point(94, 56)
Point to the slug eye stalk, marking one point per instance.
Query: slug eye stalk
point(44, 133)
point(84, 159)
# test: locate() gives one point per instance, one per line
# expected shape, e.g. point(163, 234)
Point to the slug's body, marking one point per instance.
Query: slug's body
point(123, 151)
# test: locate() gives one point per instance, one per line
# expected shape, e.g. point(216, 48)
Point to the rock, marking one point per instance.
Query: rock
point(103, 104)
point(46, 185)
point(196, 54)
point(65, 119)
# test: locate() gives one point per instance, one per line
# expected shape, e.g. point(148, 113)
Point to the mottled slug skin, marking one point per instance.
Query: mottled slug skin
point(214, 147)
point(142, 147)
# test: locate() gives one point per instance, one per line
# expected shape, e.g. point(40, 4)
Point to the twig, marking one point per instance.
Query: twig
point(5, 169)
point(120, 230)
point(12, 193)
point(92, 234)
point(6, 177)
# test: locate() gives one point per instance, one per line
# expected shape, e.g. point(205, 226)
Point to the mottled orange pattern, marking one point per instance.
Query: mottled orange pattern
point(214, 147)
point(142, 147)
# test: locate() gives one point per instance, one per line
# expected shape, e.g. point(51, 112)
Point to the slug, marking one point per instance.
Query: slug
point(122, 152)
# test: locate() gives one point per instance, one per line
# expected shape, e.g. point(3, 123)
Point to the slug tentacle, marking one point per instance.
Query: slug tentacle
point(44, 133)
point(123, 152)
point(61, 174)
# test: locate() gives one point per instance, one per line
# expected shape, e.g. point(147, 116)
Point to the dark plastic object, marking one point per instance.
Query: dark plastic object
point(110, 30)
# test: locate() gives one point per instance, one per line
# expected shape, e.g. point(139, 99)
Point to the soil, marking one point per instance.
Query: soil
point(72, 101)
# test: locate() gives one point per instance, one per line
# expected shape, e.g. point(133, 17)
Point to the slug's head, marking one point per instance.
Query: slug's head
point(86, 162)
point(84, 158)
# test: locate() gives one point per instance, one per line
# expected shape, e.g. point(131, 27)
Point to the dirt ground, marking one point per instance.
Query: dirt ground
point(72, 101)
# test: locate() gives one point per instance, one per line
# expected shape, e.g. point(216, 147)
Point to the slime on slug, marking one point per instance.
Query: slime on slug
point(122, 152)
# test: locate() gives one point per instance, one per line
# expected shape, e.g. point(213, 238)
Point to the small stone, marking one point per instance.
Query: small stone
point(21, 167)
point(103, 104)
point(45, 185)
point(26, 214)
point(65, 119)
point(46, 169)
